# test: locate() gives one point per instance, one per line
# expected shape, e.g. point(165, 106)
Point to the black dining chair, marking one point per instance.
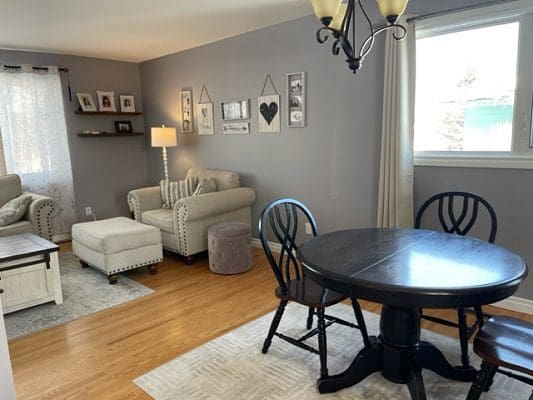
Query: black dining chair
point(457, 213)
point(283, 218)
point(504, 344)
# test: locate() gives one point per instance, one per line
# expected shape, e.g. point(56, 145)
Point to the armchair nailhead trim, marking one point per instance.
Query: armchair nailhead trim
point(135, 206)
point(181, 231)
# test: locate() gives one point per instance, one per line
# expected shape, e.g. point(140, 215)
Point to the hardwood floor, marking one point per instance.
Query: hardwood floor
point(98, 356)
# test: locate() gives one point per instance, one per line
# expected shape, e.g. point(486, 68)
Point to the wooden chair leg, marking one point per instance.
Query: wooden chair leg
point(322, 344)
point(463, 336)
point(485, 374)
point(274, 325)
point(479, 316)
point(310, 318)
point(360, 322)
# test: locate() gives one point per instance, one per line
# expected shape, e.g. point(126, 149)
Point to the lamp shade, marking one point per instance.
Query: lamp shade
point(325, 8)
point(338, 19)
point(164, 137)
point(392, 7)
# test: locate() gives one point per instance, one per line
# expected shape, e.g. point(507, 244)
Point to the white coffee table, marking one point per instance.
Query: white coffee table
point(29, 272)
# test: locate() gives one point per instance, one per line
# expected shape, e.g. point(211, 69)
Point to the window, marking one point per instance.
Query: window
point(474, 88)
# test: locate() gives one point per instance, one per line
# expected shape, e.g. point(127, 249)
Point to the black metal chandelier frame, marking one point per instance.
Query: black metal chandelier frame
point(342, 36)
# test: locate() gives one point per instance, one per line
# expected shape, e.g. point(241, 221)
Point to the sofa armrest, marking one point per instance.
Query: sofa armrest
point(140, 200)
point(207, 205)
point(40, 213)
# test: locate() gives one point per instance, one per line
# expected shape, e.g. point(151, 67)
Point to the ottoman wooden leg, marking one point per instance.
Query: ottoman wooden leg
point(153, 269)
point(84, 264)
point(189, 260)
point(113, 279)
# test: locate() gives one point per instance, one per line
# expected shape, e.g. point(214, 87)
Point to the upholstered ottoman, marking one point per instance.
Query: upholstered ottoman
point(117, 244)
point(229, 246)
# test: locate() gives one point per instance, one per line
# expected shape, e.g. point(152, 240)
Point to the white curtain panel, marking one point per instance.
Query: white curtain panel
point(395, 197)
point(34, 137)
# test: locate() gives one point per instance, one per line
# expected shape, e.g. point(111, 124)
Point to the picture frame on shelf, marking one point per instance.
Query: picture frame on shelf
point(236, 128)
point(187, 119)
point(236, 110)
point(296, 100)
point(127, 103)
point(205, 119)
point(106, 101)
point(123, 127)
point(86, 102)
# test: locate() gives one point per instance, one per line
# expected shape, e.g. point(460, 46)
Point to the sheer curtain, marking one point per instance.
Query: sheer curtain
point(34, 137)
point(395, 197)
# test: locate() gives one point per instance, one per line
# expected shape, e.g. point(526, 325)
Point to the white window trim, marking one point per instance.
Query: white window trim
point(521, 156)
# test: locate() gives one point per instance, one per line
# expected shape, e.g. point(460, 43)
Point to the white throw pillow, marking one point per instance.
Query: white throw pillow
point(14, 209)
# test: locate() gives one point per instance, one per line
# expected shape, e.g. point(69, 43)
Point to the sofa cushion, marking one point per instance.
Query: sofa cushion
point(113, 235)
point(21, 226)
point(162, 218)
point(206, 186)
point(225, 179)
point(14, 209)
point(10, 188)
point(173, 191)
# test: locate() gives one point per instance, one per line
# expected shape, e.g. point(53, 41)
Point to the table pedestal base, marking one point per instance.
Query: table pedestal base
point(400, 356)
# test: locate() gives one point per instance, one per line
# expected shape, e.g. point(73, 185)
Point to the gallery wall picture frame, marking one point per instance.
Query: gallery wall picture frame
point(206, 125)
point(296, 100)
point(205, 119)
point(187, 119)
point(269, 108)
point(236, 128)
point(106, 100)
point(235, 110)
point(127, 103)
point(86, 102)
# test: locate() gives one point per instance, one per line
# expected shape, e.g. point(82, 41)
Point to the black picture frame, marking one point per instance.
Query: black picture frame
point(123, 127)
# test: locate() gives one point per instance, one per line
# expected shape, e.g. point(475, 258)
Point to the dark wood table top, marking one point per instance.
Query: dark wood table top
point(24, 245)
point(412, 267)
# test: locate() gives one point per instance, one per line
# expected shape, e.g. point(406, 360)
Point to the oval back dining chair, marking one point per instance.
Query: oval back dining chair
point(457, 214)
point(283, 218)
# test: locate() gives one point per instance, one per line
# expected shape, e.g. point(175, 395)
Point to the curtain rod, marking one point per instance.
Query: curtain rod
point(62, 69)
point(444, 12)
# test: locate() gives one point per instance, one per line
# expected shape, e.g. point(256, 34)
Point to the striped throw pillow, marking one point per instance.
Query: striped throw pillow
point(171, 192)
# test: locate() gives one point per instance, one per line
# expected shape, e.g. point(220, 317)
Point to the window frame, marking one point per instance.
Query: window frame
point(521, 154)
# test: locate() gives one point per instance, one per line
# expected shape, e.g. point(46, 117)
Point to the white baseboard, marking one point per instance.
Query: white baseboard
point(518, 304)
point(62, 237)
point(513, 303)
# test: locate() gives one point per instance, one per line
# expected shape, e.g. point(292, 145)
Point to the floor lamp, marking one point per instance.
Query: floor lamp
point(164, 137)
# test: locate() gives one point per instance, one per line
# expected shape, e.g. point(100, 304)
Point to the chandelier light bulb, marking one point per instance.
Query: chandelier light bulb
point(336, 23)
point(325, 10)
point(392, 9)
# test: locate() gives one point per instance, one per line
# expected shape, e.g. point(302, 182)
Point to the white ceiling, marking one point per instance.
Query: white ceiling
point(134, 30)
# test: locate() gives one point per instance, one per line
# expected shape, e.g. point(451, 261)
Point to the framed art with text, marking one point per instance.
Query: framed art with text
point(187, 122)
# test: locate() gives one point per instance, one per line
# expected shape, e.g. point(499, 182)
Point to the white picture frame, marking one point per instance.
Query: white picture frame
point(106, 101)
point(205, 119)
point(296, 100)
point(187, 118)
point(127, 103)
point(235, 110)
point(86, 102)
point(268, 115)
point(236, 128)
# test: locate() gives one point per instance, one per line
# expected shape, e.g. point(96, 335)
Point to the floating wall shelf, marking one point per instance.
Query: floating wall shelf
point(110, 134)
point(108, 113)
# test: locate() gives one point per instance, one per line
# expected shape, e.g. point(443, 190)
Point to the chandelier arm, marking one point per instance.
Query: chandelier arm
point(369, 41)
point(372, 33)
point(335, 48)
point(322, 35)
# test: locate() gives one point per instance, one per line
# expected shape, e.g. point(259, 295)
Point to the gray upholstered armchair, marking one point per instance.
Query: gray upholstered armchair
point(184, 228)
point(40, 211)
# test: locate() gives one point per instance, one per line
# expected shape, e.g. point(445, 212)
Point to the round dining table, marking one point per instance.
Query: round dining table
point(406, 270)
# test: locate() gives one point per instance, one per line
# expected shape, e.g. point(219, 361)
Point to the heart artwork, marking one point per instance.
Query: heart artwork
point(268, 111)
point(204, 112)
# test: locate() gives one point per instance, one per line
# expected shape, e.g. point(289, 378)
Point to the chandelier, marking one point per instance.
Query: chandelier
point(339, 19)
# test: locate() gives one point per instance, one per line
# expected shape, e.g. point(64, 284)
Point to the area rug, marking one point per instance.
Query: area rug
point(85, 291)
point(233, 367)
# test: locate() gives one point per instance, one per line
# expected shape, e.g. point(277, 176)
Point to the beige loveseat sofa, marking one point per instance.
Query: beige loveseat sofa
point(40, 211)
point(184, 228)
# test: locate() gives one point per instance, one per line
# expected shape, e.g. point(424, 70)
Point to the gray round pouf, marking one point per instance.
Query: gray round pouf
point(230, 250)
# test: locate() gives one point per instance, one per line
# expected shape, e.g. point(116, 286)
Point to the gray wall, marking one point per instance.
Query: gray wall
point(103, 169)
point(332, 164)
